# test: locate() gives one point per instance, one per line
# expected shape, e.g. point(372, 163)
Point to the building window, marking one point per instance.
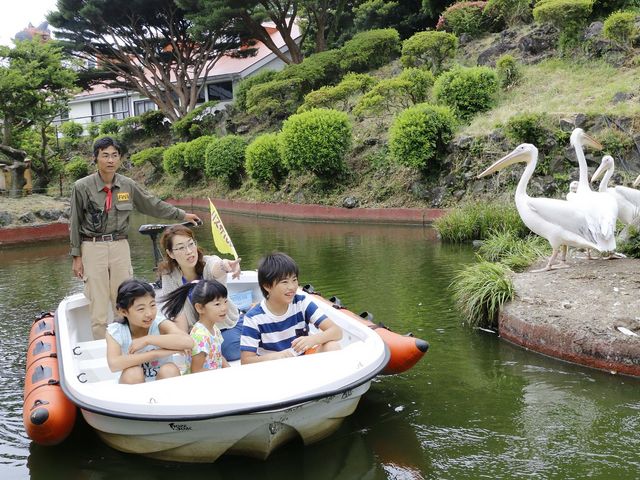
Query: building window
point(100, 110)
point(120, 107)
point(220, 91)
point(141, 106)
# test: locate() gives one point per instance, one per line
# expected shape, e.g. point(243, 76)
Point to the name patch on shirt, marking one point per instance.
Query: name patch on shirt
point(123, 197)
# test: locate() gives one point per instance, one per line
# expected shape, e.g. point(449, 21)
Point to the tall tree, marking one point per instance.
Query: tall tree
point(323, 17)
point(146, 46)
point(35, 86)
point(250, 16)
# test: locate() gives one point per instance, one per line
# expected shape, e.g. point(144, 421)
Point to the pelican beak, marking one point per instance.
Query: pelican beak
point(514, 157)
point(598, 173)
point(636, 182)
point(591, 142)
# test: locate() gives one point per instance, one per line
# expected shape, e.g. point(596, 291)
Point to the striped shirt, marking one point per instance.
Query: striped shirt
point(263, 332)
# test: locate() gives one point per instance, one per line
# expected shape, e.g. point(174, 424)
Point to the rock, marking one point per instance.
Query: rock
point(240, 129)
point(437, 195)
point(580, 120)
point(621, 97)
point(489, 56)
point(49, 215)
point(5, 219)
point(477, 244)
point(542, 39)
point(566, 125)
point(420, 191)
point(458, 194)
point(497, 136)
point(27, 217)
point(464, 39)
point(593, 31)
point(350, 202)
point(371, 141)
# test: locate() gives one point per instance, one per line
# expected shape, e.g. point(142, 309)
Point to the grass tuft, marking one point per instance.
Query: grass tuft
point(517, 253)
point(475, 221)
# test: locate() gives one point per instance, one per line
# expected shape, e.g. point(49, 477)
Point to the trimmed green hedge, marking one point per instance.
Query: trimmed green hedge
point(369, 50)
point(225, 158)
point(430, 49)
point(262, 160)
point(467, 90)
point(173, 158)
point(77, 168)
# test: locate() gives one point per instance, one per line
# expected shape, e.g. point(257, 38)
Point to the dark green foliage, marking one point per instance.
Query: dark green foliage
point(153, 122)
point(509, 71)
point(467, 90)
point(225, 159)
point(263, 162)
point(420, 83)
point(615, 142)
point(621, 27)
point(419, 135)
point(76, 169)
point(173, 158)
point(509, 12)
point(129, 128)
point(93, 129)
point(370, 50)
point(631, 245)
point(393, 94)
point(407, 16)
point(195, 154)
point(152, 156)
point(72, 133)
point(568, 16)
point(529, 128)
point(240, 93)
point(196, 123)
point(110, 126)
point(330, 96)
point(316, 141)
point(464, 17)
point(275, 99)
point(431, 49)
point(315, 71)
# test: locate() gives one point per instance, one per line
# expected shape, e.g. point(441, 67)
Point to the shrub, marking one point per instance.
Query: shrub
point(480, 290)
point(517, 253)
point(275, 99)
point(464, 17)
point(509, 12)
point(630, 243)
point(93, 129)
point(476, 221)
point(129, 127)
point(110, 126)
point(262, 160)
point(72, 131)
point(315, 71)
point(225, 159)
point(77, 168)
point(420, 133)
point(621, 28)
point(198, 122)
point(328, 96)
point(615, 142)
point(316, 141)
point(431, 49)
point(152, 156)
point(370, 50)
point(420, 83)
point(568, 16)
point(240, 94)
point(195, 154)
point(528, 128)
point(173, 158)
point(467, 90)
point(152, 122)
point(509, 71)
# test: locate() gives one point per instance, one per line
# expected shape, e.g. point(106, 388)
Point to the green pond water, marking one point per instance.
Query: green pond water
point(474, 407)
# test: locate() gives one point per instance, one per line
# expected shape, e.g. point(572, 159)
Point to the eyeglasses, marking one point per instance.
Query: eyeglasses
point(106, 156)
point(189, 246)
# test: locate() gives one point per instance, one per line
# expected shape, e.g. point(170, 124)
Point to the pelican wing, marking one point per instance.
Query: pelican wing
point(600, 210)
point(631, 195)
point(567, 215)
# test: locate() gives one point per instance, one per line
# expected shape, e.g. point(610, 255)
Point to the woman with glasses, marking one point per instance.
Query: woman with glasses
point(186, 263)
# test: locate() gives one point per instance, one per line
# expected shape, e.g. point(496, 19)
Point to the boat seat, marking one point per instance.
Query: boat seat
point(94, 370)
point(90, 349)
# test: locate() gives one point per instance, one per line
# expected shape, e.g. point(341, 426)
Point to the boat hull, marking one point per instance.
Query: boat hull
point(254, 435)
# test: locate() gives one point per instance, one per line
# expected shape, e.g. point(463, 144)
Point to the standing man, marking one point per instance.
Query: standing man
point(100, 207)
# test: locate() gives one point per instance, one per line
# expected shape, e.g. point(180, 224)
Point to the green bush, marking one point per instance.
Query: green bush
point(72, 130)
point(77, 168)
point(173, 158)
point(568, 16)
point(476, 221)
point(153, 122)
point(420, 83)
point(621, 28)
point(630, 244)
point(431, 49)
point(516, 252)
point(152, 156)
point(480, 290)
point(195, 154)
point(316, 70)
point(262, 160)
point(370, 50)
point(342, 93)
point(509, 12)
point(110, 126)
point(316, 141)
point(464, 17)
point(240, 93)
point(615, 142)
point(197, 123)
point(467, 90)
point(225, 159)
point(129, 128)
point(419, 135)
point(509, 71)
point(528, 128)
point(385, 98)
point(93, 129)
point(276, 99)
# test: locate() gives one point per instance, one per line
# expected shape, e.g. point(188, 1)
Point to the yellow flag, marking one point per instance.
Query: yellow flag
point(220, 236)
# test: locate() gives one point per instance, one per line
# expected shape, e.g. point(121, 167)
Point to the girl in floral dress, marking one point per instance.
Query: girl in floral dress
point(209, 298)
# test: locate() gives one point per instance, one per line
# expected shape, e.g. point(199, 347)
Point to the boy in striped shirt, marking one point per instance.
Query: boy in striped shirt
point(278, 326)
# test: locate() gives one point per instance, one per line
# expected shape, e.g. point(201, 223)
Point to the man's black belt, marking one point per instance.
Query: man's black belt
point(111, 237)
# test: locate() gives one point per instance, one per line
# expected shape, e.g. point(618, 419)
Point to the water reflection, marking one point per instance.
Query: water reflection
point(475, 407)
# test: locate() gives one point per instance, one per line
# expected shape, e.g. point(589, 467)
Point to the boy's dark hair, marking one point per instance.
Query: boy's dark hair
point(104, 143)
point(273, 268)
point(131, 289)
point(204, 292)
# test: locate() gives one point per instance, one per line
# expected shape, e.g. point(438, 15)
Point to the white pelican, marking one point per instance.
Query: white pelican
point(601, 208)
point(628, 199)
point(573, 188)
point(562, 223)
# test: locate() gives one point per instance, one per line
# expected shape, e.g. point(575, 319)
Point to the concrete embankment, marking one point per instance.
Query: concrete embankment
point(579, 314)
